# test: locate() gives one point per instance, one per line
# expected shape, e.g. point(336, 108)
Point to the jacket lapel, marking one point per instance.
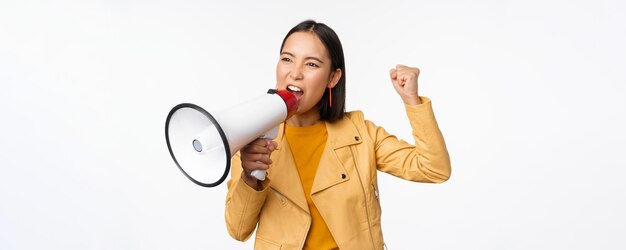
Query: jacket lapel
point(331, 170)
point(284, 173)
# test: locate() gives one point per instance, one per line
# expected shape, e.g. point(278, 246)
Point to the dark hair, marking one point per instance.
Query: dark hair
point(331, 41)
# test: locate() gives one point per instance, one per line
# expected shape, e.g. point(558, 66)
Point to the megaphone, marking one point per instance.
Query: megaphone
point(202, 144)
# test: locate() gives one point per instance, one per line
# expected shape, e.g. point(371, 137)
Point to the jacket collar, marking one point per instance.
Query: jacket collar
point(341, 133)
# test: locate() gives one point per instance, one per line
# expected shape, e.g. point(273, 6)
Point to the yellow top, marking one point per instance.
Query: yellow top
point(307, 145)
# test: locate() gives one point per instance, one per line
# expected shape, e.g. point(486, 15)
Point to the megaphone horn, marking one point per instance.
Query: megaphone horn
point(202, 144)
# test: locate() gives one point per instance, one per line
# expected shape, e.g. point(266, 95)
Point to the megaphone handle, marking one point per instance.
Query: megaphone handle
point(271, 134)
point(258, 174)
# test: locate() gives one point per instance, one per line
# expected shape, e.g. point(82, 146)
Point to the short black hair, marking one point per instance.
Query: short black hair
point(331, 41)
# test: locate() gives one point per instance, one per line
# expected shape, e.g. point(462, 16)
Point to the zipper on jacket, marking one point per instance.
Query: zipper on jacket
point(375, 191)
point(279, 196)
point(377, 198)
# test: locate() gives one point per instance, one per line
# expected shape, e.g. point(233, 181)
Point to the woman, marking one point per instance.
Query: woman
point(321, 190)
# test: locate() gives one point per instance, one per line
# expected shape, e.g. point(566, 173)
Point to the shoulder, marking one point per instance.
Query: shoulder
point(356, 117)
point(351, 122)
point(352, 115)
point(363, 125)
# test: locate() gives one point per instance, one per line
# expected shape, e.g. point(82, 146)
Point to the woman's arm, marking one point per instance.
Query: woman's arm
point(243, 201)
point(428, 159)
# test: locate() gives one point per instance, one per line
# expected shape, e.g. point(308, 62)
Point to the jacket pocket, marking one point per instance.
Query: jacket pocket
point(375, 191)
point(375, 205)
point(262, 244)
point(377, 232)
point(279, 196)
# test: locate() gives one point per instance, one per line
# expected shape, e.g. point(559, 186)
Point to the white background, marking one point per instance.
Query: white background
point(530, 96)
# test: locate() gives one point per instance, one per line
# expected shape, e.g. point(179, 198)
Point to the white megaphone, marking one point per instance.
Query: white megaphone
point(202, 144)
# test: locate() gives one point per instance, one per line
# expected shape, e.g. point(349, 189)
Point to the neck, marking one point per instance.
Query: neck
point(306, 119)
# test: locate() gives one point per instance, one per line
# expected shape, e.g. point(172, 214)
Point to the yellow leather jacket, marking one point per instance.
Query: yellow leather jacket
point(345, 190)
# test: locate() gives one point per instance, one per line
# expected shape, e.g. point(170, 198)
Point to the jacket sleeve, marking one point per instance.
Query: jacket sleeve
point(243, 203)
point(426, 161)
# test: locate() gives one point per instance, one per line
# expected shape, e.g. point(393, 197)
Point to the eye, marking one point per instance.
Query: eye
point(312, 65)
point(285, 59)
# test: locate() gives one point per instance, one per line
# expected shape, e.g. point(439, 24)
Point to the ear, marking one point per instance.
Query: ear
point(334, 78)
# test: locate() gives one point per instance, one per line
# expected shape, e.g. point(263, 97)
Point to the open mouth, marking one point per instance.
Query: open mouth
point(296, 91)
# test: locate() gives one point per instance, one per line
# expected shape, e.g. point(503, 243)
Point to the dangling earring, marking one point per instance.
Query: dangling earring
point(330, 95)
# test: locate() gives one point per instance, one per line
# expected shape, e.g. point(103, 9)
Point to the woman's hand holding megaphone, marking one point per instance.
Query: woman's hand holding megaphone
point(256, 156)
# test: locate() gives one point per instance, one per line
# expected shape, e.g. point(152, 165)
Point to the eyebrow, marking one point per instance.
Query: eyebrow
point(306, 58)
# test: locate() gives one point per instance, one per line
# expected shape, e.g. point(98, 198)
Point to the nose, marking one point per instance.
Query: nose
point(296, 73)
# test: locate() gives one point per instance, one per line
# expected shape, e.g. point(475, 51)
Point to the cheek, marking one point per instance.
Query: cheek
point(318, 83)
point(280, 76)
point(279, 70)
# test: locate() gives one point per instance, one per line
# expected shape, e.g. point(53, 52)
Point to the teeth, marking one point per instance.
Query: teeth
point(294, 88)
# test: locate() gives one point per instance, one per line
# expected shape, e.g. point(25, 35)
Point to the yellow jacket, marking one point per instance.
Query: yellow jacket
point(345, 190)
